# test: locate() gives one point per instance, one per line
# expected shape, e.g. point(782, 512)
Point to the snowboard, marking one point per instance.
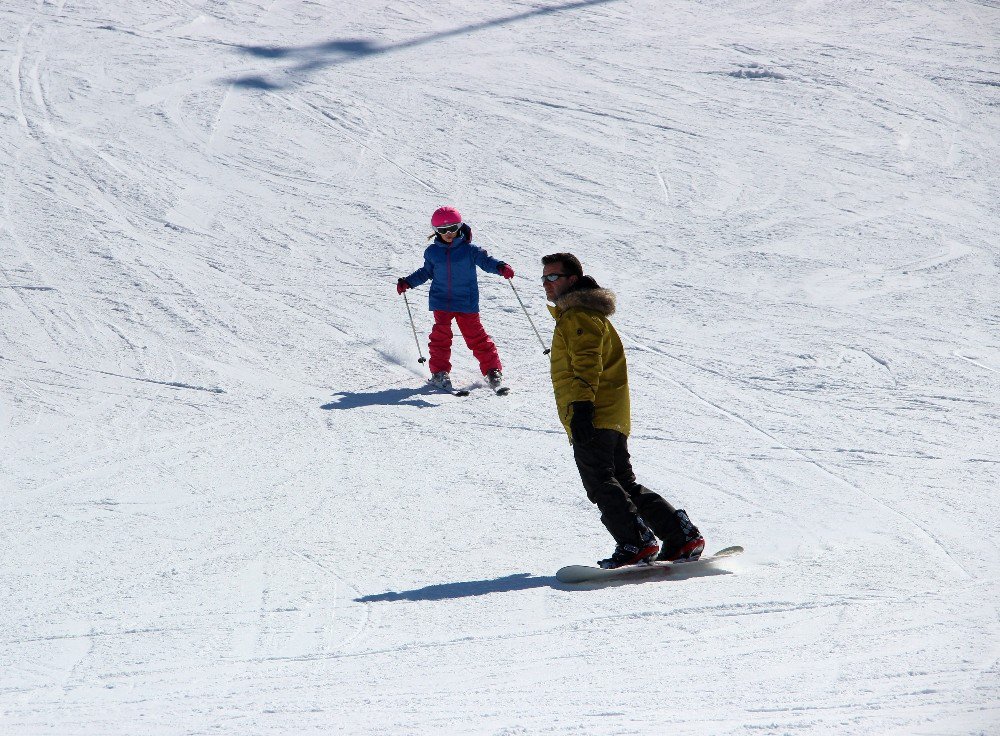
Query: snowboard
point(589, 574)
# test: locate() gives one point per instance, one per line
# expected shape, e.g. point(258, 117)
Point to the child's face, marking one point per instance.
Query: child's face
point(447, 237)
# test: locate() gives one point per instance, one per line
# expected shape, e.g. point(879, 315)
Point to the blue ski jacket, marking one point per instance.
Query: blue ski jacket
point(451, 269)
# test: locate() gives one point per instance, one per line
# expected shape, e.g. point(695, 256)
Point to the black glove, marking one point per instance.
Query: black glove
point(581, 424)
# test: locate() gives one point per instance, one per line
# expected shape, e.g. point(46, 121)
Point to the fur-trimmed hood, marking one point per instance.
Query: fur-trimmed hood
point(588, 295)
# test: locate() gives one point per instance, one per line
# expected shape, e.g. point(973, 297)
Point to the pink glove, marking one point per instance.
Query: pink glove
point(505, 270)
point(401, 286)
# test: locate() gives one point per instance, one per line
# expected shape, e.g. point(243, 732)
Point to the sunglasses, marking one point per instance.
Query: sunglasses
point(448, 228)
point(550, 277)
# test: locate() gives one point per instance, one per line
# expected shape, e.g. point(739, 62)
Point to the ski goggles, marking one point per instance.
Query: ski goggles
point(448, 228)
point(552, 277)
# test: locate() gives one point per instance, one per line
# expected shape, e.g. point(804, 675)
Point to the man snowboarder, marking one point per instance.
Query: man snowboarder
point(590, 380)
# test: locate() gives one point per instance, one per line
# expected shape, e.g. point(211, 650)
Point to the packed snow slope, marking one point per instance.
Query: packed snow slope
point(231, 505)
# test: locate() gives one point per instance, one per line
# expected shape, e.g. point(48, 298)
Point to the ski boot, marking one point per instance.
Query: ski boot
point(494, 378)
point(441, 380)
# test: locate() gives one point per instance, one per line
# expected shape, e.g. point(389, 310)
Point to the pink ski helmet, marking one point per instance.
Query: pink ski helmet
point(446, 216)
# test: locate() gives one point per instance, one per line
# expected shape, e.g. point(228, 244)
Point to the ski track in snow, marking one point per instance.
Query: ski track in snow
point(232, 506)
point(942, 548)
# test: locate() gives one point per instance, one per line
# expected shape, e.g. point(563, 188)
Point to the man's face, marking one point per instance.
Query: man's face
point(555, 289)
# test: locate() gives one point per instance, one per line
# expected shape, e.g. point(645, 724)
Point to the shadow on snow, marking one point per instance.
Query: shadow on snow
point(527, 581)
point(340, 51)
point(445, 591)
point(386, 397)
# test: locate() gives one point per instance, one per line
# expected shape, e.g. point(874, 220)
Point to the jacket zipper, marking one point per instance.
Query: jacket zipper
point(448, 251)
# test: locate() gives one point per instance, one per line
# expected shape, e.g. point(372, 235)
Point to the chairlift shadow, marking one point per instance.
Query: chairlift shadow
point(335, 52)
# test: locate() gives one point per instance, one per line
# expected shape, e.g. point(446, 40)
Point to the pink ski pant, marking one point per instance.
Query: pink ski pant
point(475, 336)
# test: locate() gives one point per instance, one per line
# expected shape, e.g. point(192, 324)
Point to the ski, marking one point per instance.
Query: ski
point(589, 574)
point(499, 391)
point(449, 389)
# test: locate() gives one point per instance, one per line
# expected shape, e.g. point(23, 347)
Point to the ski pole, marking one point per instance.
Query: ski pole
point(414, 328)
point(545, 350)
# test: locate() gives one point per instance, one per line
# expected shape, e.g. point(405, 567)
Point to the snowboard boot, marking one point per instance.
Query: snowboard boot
point(692, 546)
point(442, 380)
point(494, 378)
point(632, 554)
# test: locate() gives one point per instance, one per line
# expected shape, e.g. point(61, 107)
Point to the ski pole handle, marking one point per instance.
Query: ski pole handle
point(545, 350)
point(414, 328)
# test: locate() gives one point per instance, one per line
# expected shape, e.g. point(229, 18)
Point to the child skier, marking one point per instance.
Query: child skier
point(450, 265)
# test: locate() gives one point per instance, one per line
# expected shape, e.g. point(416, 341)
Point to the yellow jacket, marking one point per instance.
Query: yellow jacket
point(588, 360)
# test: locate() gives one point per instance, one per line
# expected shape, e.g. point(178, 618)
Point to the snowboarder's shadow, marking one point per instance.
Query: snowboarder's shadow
point(387, 397)
point(467, 589)
point(523, 581)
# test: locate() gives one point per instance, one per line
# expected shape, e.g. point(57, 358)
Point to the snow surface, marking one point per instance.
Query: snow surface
point(230, 505)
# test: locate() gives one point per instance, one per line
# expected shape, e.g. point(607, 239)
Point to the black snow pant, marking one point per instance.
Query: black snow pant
point(606, 470)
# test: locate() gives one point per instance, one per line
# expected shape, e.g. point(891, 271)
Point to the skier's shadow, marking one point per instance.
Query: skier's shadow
point(387, 397)
point(524, 581)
